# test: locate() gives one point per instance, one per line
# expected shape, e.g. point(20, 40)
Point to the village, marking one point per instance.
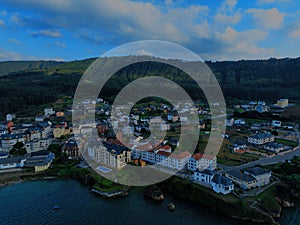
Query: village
point(248, 143)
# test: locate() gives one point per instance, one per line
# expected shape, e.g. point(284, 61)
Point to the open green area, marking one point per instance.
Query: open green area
point(287, 142)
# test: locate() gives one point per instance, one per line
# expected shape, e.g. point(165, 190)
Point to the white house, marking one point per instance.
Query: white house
point(39, 118)
point(221, 184)
point(240, 122)
point(48, 112)
point(276, 123)
point(202, 161)
point(163, 158)
point(245, 181)
point(9, 140)
point(261, 175)
point(37, 145)
point(204, 176)
point(12, 162)
point(261, 138)
point(274, 147)
point(10, 117)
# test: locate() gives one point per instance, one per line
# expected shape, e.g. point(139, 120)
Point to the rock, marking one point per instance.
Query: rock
point(154, 193)
point(171, 206)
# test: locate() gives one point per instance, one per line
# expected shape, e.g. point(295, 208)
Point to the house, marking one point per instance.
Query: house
point(48, 112)
point(12, 162)
point(261, 108)
point(261, 175)
point(229, 123)
point(204, 176)
point(34, 133)
point(46, 129)
point(60, 114)
point(71, 149)
point(202, 161)
point(239, 147)
point(9, 140)
point(240, 122)
point(10, 117)
point(39, 118)
point(37, 145)
point(221, 184)
point(172, 160)
point(61, 130)
point(139, 147)
point(276, 123)
point(245, 181)
point(274, 147)
point(282, 103)
point(4, 155)
point(261, 138)
point(3, 131)
point(40, 160)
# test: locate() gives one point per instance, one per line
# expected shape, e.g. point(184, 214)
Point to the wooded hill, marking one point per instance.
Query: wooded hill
point(31, 83)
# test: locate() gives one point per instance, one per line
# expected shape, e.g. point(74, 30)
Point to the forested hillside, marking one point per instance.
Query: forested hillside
point(28, 84)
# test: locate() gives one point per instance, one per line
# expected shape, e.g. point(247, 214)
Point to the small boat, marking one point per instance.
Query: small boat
point(56, 207)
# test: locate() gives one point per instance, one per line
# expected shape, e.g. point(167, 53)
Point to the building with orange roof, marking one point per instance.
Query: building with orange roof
point(202, 161)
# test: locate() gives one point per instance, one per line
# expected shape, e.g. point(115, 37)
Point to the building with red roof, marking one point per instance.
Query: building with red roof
point(202, 161)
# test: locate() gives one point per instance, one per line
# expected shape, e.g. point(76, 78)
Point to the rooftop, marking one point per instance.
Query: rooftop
point(219, 179)
point(199, 156)
point(240, 175)
point(257, 171)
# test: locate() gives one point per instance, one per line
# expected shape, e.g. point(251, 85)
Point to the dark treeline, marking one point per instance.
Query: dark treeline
point(245, 79)
point(259, 79)
point(27, 89)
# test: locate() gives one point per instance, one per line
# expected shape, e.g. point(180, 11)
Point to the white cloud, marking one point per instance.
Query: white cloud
point(117, 22)
point(241, 45)
point(47, 33)
point(268, 19)
point(8, 55)
point(228, 19)
point(60, 44)
point(14, 41)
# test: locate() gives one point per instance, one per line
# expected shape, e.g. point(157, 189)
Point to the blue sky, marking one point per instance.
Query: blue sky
point(214, 29)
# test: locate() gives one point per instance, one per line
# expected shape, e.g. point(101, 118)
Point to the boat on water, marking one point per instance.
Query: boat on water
point(56, 207)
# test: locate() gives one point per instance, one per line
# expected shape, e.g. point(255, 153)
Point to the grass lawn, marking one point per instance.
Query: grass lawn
point(287, 142)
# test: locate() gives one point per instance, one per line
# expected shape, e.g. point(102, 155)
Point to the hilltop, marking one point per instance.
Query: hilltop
point(26, 84)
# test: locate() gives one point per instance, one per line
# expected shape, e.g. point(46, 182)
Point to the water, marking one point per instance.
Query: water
point(291, 216)
point(32, 202)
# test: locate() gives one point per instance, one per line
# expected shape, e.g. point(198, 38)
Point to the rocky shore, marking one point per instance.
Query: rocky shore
point(108, 194)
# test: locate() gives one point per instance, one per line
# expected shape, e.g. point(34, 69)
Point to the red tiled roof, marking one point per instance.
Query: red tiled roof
point(241, 151)
point(146, 146)
point(181, 155)
point(165, 147)
point(199, 156)
point(164, 153)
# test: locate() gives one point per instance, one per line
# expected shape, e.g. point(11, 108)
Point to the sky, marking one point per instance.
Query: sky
point(214, 29)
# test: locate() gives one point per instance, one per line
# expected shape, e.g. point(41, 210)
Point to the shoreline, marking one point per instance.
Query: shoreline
point(259, 218)
point(112, 194)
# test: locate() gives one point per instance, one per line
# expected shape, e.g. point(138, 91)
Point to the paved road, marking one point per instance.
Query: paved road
point(265, 161)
